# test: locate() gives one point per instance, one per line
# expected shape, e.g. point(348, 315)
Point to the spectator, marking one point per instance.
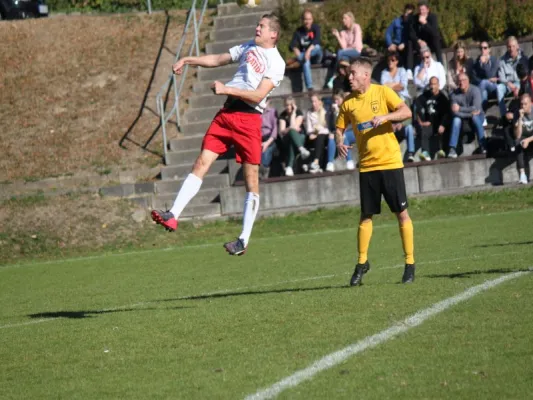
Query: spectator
point(341, 82)
point(466, 106)
point(507, 77)
point(427, 69)
point(460, 63)
point(526, 80)
point(350, 41)
point(292, 135)
point(396, 78)
point(523, 132)
point(305, 44)
point(317, 131)
point(269, 132)
point(485, 73)
point(349, 136)
point(432, 115)
point(424, 32)
point(397, 36)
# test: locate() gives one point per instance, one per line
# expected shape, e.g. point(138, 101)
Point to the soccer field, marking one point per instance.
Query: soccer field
point(191, 322)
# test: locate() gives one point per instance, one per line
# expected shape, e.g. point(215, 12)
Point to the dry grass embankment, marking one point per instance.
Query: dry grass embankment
point(71, 86)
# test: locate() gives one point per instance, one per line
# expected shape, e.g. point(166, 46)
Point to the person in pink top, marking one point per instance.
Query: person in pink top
point(350, 41)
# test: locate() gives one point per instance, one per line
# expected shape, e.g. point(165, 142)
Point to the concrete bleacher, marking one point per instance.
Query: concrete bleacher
point(221, 193)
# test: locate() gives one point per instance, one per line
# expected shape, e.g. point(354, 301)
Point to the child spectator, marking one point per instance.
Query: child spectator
point(523, 132)
point(317, 131)
point(292, 135)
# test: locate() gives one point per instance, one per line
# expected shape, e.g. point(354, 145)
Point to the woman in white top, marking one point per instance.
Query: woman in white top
point(317, 131)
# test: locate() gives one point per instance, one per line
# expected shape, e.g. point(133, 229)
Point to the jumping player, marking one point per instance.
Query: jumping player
point(238, 123)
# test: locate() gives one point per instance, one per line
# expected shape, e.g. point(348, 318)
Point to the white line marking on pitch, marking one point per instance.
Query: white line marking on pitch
point(207, 245)
point(369, 342)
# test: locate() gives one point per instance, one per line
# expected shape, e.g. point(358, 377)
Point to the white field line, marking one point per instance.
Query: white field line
point(311, 278)
point(208, 245)
point(333, 359)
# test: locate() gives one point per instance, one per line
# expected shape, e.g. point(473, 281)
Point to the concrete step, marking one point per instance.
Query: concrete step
point(206, 100)
point(221, 47)
point(195, 115)
point(196, 128)
point(209, 182)
point(173, 172)
point(243, 32)
point(201, 211)
point(236, 21)
point(186, 143)
point(181, 157)
point(224, 73)
point(204, 196)
point(233, 9)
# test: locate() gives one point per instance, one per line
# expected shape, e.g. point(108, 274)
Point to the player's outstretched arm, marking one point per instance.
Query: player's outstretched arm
point(250, 96)
point(207, 61)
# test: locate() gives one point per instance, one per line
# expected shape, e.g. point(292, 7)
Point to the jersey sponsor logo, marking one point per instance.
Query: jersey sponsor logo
point(374, 105)
point(255, 62)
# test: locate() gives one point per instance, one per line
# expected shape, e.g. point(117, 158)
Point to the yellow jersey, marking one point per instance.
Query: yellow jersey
point(378, 147)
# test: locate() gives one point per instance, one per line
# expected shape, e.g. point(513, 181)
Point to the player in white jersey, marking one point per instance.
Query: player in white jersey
point(238, 123)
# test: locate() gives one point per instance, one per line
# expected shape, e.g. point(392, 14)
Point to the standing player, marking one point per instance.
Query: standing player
point(371, 110)
point(238, 123)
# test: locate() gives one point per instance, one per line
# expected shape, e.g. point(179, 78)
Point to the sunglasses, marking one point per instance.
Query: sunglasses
point(427, 57)
point(483, 47)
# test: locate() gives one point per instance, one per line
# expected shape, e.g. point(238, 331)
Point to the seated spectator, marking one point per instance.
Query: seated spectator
point(485, 73)
point(523, 132)
point(526, 80)
point(459, 64)
point(432, 116)
point(509, 84)
point(350, 41)
point(396, 78)
point(269, 132)
point(427, 69)
point(466, 107)
point(424, 32)
point(341, 82)
point(349, 137)
point(397, 36)
point(292, 135)
point(317, 131)
point(305, 44)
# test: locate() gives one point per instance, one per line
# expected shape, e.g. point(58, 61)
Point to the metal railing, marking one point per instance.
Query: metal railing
point(176, 82)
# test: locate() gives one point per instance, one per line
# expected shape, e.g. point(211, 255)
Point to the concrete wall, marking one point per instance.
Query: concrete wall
point(308, 191)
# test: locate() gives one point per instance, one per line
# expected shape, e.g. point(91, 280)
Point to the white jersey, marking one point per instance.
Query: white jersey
point(256, 63)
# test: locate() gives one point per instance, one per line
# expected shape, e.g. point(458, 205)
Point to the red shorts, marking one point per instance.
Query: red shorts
point(237, 128)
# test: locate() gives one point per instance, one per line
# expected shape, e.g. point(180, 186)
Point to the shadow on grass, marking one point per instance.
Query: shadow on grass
point(87, 313)
point(253, 292)
point(504, 244)
point(467, 274)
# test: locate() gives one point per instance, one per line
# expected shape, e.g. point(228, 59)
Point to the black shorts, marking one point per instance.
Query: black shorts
point(389, 183)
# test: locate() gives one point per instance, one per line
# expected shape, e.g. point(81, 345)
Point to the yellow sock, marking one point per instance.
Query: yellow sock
point(363, 240)
point(406, 232)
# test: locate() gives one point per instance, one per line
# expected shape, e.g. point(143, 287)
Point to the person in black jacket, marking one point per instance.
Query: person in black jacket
point(424, 31)
point(485, 73)
point(432, 117)
point(305, 44)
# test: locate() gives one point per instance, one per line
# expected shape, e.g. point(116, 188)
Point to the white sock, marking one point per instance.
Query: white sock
point(251, 206)
point(191, 186)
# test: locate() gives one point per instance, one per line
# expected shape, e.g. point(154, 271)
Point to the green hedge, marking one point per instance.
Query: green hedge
point(458, 19)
